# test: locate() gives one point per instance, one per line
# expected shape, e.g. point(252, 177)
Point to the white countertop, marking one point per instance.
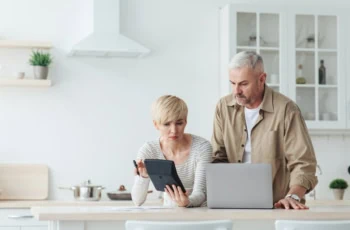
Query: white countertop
point(103, 210)
point(99, 213)
point(66, 203)
point(330, 210)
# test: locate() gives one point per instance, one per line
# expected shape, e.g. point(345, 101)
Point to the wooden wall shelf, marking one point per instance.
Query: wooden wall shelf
point(25, 44)
point(25, 82)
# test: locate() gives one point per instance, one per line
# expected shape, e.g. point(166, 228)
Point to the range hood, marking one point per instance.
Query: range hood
point(106, 40)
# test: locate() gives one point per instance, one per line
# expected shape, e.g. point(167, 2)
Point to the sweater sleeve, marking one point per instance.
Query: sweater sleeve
point(139, 190)
point(198, 195)
point(140, 187)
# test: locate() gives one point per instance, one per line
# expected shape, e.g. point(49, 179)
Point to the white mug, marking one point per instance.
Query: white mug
point(168, 202)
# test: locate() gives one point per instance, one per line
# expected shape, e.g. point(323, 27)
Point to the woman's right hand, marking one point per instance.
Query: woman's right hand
point(142, 169)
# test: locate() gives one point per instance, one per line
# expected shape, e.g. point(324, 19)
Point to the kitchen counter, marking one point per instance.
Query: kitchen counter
point(331, 210)
point(49, 203)
point(72, 203)
point(104, 215)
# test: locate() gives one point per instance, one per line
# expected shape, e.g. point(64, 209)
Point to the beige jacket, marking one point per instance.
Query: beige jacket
point(279, 137)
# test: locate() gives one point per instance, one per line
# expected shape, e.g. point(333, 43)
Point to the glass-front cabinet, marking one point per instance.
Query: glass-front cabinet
point(303, 54)
point(318, 68)
point(260, 31)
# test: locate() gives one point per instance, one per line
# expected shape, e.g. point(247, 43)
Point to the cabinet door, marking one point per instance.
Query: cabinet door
point(317, 73)
point(244, 28)
point(293, 43)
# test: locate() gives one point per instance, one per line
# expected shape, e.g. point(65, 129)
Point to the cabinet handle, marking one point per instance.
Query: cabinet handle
point(20, 216)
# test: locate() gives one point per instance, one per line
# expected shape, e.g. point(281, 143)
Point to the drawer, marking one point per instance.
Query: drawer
point(18, 217)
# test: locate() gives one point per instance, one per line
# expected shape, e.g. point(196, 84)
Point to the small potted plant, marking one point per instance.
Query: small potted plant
point(338, 186)
point(41, 62)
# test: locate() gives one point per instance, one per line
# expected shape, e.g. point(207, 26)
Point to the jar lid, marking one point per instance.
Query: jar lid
point(88, 184)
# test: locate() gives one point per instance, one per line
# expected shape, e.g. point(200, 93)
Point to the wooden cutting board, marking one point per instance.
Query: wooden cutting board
point(24, 182)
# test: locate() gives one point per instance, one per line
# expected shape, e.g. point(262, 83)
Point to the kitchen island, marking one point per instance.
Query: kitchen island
point(113, 217)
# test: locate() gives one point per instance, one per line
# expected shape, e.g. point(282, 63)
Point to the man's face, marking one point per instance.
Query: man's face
point(247, 86)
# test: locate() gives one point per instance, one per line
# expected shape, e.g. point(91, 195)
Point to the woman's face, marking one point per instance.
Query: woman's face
point(172, 130)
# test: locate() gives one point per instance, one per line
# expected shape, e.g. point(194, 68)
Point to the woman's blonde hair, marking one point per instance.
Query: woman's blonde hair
point(169, 108)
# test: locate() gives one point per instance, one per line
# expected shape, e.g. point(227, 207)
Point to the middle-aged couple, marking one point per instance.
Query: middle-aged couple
point(254, 124)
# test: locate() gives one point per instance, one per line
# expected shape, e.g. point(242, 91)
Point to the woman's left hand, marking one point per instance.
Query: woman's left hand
point(176, 194)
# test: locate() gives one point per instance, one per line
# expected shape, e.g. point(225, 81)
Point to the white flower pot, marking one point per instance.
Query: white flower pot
point(41, 72)
point(338, 193)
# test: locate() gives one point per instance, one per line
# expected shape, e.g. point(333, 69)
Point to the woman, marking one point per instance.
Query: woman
point(190, 154)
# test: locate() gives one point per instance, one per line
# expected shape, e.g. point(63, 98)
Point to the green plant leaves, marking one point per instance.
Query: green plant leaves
point(39, 58)
point(338, 184)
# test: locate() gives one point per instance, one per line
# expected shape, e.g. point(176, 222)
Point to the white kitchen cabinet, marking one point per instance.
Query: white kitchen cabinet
point(262, 29)
point(285, 37)
point(322, 99)
point(20, 219)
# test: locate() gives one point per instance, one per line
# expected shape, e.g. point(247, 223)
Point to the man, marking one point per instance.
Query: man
point(255, 124)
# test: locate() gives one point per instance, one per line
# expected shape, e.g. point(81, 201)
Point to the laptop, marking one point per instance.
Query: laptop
point(239, 186)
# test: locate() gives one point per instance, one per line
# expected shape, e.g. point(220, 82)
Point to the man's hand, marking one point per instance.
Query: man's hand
point(289, 203)
point(177, 195)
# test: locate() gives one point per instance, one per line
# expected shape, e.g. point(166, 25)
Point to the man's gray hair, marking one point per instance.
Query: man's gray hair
point(247, 59)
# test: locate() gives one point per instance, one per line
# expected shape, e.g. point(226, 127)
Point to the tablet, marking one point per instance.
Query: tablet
point(162, 173)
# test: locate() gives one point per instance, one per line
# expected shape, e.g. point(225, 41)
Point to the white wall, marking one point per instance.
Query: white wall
point(91, 123)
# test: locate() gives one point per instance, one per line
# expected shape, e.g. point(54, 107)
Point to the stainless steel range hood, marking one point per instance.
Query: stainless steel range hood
point(106, 40)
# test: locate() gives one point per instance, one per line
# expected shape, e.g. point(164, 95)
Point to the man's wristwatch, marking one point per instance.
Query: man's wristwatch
point(294, 197)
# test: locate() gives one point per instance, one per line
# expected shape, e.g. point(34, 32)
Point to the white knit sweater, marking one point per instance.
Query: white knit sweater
point(191, 172)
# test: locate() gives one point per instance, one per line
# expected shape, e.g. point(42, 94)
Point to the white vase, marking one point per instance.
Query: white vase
point(338, 193)
point(41, 72)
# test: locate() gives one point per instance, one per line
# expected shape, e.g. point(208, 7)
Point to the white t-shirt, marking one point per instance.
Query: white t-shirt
point(251, 115)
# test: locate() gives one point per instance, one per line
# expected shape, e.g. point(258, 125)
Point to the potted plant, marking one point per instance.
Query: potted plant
point(41, 62)
point(338, 186)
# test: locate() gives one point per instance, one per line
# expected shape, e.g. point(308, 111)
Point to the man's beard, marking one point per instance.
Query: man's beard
point(241, 100)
